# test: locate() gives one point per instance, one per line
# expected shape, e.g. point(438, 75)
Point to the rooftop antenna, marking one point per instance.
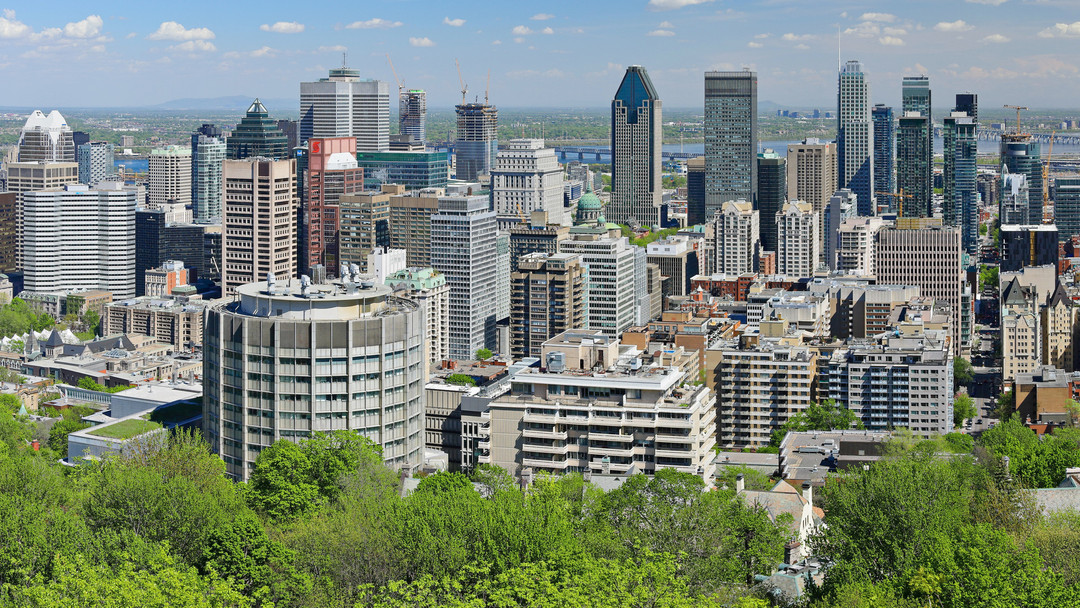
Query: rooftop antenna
point(839, 62)
point(344, 59)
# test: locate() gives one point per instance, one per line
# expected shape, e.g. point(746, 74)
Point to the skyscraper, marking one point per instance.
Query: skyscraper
point(527, 177)
point(811, 172)
point(960, 201)
point(1066, 206)
point(365, 227)
point(730, 138)
point(343, 105)
point(695, 191)
point(259, 223)
point(169, 176)
point(798, 239)
point(855, 137)
point(30, 177)
point(913, 166)
point(884, 153)
point(547, 292)
point(80, 238)
point(257, 135)
point(207, 187)
point(463, 248)
point(737, 238)
point(637, 138)
point(95, 162)
point(771, 194)
point(1020, 154)
point(412, 114)
point(968, 103)
point(331, 174)
point(46, 139)
point(611, 280)
point(477, 140)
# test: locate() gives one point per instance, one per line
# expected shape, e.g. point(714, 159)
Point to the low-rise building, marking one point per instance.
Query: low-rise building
point(176, 320)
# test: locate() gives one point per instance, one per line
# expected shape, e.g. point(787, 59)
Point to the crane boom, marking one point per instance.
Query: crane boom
point(464, 87)
point(400, 84)
point(1017, 108)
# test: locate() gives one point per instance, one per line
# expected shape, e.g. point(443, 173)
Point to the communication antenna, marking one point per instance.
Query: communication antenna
point(344, 59)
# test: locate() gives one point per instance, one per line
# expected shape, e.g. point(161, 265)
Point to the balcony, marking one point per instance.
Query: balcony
point(626, 452)
point(540, 418)
point(483, 445)
point(544, 449)
point(602, 436)
point(544, 464)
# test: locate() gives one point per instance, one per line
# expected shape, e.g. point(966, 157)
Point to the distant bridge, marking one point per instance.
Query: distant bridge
point(602, 154)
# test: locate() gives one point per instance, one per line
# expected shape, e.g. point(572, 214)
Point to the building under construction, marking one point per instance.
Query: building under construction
point(477, 140)
point(412, 114)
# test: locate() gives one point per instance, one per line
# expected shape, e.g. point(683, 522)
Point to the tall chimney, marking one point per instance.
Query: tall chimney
point(740, 483)
point(791, 552)
point(808, 493)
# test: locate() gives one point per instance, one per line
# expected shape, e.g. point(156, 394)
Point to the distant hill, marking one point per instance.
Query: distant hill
point(236, 103)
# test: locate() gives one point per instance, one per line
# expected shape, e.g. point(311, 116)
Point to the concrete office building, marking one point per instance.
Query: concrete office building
point(463, 248)
point(771, 194)
point(913, 166)
point(364, 227)
point(477, 140)
point(1066, 206)
point(415, 170)
point(78, 238)
point(345, 355)
point(30, 177)
point(46, 139)
point(736, 239)
point(502, 282)
point(176, 321)
point(811, 172)
point(856, 245)
point(257, 135)
point(1022, 246)
point(207, 185)
point(855, 137)
point(884, 155)
point(842, 207)
point(527, 178)
point(428, 287)
point(168, 177)
point(939, 272)
point(798, 240)
point(547, 297)
point(1013, 208)
point(412, 114)
point(567, 418)
point(410, 224)
point(343, 105)
point(637, 138)
point(331, 174)
point(610, 262)
point(96, 163)
point(961, 198)
point(678, 262)
point(259, 225)
point(731, 121)
point(903, 381)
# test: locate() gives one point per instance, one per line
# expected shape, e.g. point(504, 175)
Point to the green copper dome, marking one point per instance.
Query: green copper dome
point(589, 201)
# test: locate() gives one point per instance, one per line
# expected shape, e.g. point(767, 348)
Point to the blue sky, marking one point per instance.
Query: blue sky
point(541, 53)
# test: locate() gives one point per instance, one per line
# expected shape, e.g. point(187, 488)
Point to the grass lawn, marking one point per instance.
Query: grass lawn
point(126, 429)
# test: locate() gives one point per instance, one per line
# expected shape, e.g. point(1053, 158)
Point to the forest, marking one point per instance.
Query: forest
point(324, 522)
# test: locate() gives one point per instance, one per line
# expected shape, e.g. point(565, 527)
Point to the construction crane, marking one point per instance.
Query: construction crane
point(1047, 219)
point(487, 89)
point(899, 195)
point(1017, 108)
point(400, 84)
point(464, 87)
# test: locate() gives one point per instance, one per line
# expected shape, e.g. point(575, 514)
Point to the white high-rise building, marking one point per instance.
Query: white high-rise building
point(343, 105)
point(46, 139)
point(855, 137)
point(611, 262)
point(95, 162)
point(637, 138)
point(842, 206)
point(527, 177)
point(798, 245)
point(736, 238)
point(464, 249)
point(856, 245)
point(78, 238)
point(169, 176)
point(207, 186)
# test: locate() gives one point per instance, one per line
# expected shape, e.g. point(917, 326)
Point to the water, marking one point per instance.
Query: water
point(985, 147)
point(138, 165)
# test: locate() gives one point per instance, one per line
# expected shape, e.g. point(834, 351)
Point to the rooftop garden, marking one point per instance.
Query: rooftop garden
point(125, 429)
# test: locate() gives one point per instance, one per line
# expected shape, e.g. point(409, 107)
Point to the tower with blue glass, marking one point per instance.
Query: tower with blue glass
point(636, 140)
point(884, 154)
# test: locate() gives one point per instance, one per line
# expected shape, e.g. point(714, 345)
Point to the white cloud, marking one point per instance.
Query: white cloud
point(131, 35)
point(373, 24)
point(1061, 30)
point(761, 36)
point(666, 25)
point(797, 37)
point(425, 41)
point(193, 46)
point(953, 26)
point(891, 41)
point(11, 27)
point(283, 27)
point(866, 29)
point(547, 30)
point(754, 45)
point(496, 42)
point(802, 47)
point(542, 16)
point(519, 40)
point(521, 30)
point(882, 17)
point(990, 2)
point(337, 48)
point(453, 22)
point(264, 51)
point(87, 28)
point(894, 31)
point(670, 5)
point(996, 38)
point(661, 33)
point(171, 30)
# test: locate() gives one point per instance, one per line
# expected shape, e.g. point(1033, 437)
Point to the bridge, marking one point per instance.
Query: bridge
point(602, 154)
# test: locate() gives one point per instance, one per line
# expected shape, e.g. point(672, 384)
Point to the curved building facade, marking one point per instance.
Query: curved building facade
point(285, 361)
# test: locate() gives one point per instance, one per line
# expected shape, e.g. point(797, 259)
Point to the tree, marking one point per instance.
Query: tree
point(962, 373)
point(752, 478)
point(282, 485)
point(91, 320)
point(988, 277)
point(483, 354)
point(460, 380)
point(828, 415)
point(1006, 405)
point(963, 408)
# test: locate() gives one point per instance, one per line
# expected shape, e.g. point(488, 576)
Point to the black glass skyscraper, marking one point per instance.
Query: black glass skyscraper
point(730, 138)
point(884, 154)
point(257, 135)
point(772, 190)
point(636, 139)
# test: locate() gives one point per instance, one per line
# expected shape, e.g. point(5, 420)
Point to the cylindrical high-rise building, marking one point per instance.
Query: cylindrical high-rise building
point(287, 360)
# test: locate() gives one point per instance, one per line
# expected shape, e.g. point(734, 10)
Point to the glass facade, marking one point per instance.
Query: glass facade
point(730, 138)
point(1067, 207)
point(884, 155)
point(1021, 155)
point(913, 166)
point(960, 201)
point(414, 170)
point(257, 135)
point(772, 191)
point(855, 136)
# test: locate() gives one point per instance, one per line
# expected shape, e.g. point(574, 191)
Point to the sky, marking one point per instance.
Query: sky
point(541, 53)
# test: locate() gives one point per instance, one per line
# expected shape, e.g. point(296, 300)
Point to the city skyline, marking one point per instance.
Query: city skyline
point(556, 54)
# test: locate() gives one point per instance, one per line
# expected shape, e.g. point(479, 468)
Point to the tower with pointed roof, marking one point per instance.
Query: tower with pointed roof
point(636, 140)
point(46, 139)
point(257, 135)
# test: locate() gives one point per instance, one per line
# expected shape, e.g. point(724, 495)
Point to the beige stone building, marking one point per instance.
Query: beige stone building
point(259, 223)
point(811, 173)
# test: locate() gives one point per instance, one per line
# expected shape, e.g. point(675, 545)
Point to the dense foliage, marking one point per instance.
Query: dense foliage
point(829, 415)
